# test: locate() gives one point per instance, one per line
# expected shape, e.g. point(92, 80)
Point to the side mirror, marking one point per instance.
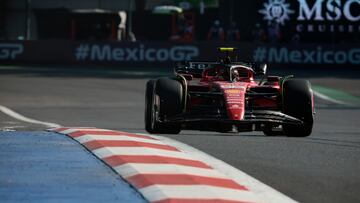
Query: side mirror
point(181, 67)
point(260, 69)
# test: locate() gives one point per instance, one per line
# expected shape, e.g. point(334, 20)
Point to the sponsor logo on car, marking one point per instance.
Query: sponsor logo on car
point(233, 91)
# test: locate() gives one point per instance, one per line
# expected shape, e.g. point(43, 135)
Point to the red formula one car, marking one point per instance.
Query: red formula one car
point(227, 96)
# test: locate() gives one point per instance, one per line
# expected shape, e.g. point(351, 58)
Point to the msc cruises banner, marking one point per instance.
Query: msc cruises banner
point(313, 19)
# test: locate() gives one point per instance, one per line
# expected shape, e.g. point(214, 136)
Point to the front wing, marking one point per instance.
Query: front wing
point(251, 117)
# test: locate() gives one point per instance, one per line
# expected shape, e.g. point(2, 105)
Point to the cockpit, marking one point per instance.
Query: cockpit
point(241, 74)
point(234, 73)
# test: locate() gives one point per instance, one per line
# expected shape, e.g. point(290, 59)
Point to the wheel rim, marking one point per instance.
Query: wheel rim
point(154, 114)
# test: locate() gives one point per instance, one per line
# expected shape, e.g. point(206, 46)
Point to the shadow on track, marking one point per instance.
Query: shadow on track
point(85, 72)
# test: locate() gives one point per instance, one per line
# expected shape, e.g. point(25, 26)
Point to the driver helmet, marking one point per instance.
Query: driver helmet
point(235, 75)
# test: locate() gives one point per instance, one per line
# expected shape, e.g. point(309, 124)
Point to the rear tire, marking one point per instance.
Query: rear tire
point(298, 103)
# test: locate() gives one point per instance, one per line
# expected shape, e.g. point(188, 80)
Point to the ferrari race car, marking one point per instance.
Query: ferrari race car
point(227, 96)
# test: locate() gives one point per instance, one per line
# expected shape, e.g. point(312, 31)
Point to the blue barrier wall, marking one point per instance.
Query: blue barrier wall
point(141, 54)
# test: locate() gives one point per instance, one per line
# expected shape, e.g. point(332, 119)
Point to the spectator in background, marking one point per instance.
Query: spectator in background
point(258, 33)
point(131, 37)
point(188, 32)
point(295, 39)
point(181, 24)
point(216, 32)
point(184, 31)
point(274, 32)
point(233, 33)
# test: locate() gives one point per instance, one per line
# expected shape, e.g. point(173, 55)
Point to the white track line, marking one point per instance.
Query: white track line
point(20, 117)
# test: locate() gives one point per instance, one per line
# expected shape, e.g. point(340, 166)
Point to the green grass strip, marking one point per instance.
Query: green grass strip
point(336, 94)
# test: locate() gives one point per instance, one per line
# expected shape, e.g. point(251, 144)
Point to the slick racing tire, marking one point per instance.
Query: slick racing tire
point(171, 99)
point(298, 103)
point(163, 98)
point(151, 108)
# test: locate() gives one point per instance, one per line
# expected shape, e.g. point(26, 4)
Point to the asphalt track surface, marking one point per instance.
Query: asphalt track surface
point(324, 167)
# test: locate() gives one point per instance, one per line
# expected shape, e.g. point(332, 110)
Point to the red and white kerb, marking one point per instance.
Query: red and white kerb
point(160, 172)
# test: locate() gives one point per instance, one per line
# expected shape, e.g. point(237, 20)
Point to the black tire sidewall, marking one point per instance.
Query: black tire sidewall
point(171, 96)
point(297, 102)
point(149, 102)
point(168, 94)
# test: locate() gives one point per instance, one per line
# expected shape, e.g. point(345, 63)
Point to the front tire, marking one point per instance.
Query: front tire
point(151, 108)
point(298, 102)
point(171, 102)
point(163, 100)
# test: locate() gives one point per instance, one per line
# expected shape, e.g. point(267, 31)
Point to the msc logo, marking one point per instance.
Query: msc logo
point(276, 10)
point(331, 10)
point(316, 10)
